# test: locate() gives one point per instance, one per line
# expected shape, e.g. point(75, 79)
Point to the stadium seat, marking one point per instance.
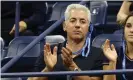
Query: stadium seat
point(113, 8)
point(18, 44)
point(120, 31)
point(98, 12)
point(2, 43)
point(2, 47)
point(111, 24)
point(59, 9)
point(25, 63)
point(11, 78)
point(115, 39)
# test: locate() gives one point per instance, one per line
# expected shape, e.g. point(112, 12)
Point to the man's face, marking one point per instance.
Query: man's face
point(77, 25)
point(128, 31)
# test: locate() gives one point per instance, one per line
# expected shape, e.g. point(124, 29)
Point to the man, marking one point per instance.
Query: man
point(75, 54)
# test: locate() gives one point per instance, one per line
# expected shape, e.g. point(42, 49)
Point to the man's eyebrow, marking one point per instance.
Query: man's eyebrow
point(72, 18)
point(83, 19)
point(80, 19)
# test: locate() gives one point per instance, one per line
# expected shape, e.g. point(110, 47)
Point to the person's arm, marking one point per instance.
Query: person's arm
point(123, 12)
point(111, 66)
point(82, 77)
point(47, 60)
point(111, 54)
point(125, 7)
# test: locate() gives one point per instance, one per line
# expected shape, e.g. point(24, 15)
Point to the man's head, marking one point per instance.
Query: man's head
point(128, 28)
point(77, 20)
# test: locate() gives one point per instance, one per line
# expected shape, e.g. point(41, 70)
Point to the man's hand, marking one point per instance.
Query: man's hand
point(22, 27)
point(49, 58)
point(67, 58)
point(109, 52)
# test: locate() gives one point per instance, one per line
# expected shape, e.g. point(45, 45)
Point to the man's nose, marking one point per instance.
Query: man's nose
point(77, 25)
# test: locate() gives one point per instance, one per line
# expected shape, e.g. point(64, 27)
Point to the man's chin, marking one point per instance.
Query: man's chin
point(77, 37)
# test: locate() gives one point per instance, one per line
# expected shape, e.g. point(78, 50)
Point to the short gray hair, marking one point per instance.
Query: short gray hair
point(77, 6)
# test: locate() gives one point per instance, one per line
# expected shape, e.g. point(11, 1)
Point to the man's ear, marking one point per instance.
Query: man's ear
point(64, 26)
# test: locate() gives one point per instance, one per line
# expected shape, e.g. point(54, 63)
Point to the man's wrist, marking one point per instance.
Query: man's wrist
point(74, 67)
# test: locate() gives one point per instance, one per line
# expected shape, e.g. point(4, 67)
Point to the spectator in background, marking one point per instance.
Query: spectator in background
point(32, 15)
point(75, 54)
point(118, 58)
point(37, 18)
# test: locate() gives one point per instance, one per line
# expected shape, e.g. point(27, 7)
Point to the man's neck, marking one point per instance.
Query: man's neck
point(129, 50)
point(75, 45)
